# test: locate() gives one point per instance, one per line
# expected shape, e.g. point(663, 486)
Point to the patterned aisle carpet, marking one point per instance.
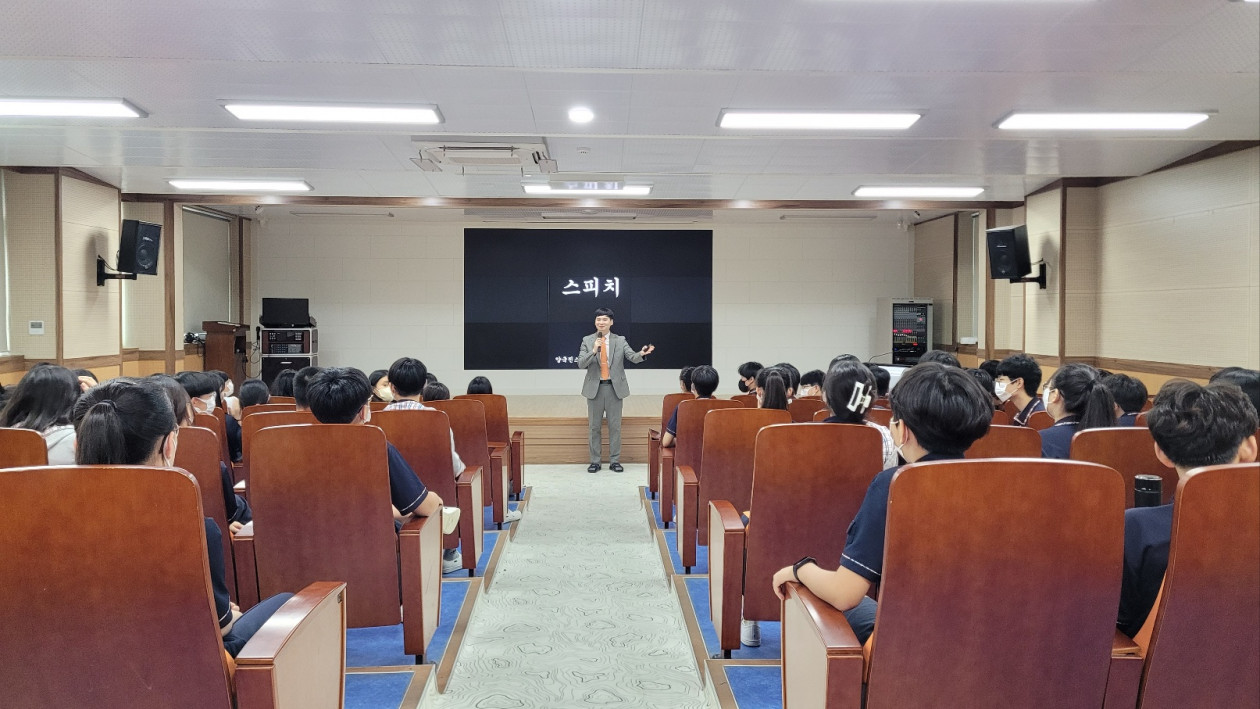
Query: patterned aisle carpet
point(579, 614)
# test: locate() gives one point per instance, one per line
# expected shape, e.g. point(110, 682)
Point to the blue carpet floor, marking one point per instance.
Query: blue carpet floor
point(488, 539)
point(382, 646)
point(488, 514)
point(698, 591)
point(656, 512)
point(376, 690)
point(755, 686)
point(702, 554)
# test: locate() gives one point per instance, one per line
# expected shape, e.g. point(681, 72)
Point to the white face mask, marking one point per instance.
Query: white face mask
point(205, 404)
point(1000, 391)
point(228, 389)
point(384, 394)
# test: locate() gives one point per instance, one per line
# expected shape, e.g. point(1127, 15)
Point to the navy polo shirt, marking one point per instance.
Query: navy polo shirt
point(1021, 418)
point(1147, 533)
point(233, 429)
point(1056, 441)
point(672, 427)
point(405, 489)
point(1129, 419)
point(864, 542)
point(218, 576)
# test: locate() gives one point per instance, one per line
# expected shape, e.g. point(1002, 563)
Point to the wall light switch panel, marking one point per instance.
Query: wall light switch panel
point(35, 327)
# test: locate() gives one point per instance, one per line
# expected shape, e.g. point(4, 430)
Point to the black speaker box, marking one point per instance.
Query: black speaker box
point(138, 248)
point(1008, 252)
point(271, 366)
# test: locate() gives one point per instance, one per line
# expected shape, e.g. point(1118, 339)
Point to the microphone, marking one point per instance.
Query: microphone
point(872, 359)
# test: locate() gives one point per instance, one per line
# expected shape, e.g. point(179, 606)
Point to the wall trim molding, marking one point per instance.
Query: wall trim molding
point(1216, 151)
point(1046, 360)
point(12, 363)
point(503, 202)
point(114, 360)
point(1167, 369)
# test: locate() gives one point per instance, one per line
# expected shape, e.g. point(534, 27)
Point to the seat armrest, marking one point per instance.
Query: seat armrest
point(241, 488)
point(654, 461)
point(822, 658)
point(468, 493)
point(667, 485)
point(1124, 676)
point(420, 556)
point(298, 657)
point(518, 463)
point(726, 572)
point(654, 435)
point(500, 462)
point(687, 489)
point(246, 568)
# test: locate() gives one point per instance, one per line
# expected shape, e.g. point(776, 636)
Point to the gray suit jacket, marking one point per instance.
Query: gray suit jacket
point(619, 352)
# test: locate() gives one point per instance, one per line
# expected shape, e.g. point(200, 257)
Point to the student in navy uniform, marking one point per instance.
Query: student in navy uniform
point(203, 388)
point(1193, 426)
point(480, 385)
point(1129, 394)
point(1018, 378)
point(748, 377)
point(282, 385)
point(938, 412)
point(343, 395)
point(882, 379)
point(704, 381)
point(253, 392)
point(131, 422)
point(684, 379)
point(811, 383)
point(1246, 379)
point(301, 381)
point(793, 378)
point(1076, 399)
point(940, 357)
point(774, 388)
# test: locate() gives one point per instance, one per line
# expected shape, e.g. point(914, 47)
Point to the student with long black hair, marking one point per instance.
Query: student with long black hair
point(43, 402)
point(282, 385)
point(131, 422)
point(773, 388)
point(848, 392)
point(480, 385)
point(1076, 399)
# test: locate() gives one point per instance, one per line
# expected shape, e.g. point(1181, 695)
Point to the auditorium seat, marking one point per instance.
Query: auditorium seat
point(1200, 647)
point(803, 495)
point(377, 405)
point(112, 605)
point(882, 402)
point(281, 400)
point(264, 408)
point(219, 425)
point(21, 448)
point(879, 416)
point(687, 446)
point(747, 400)
point(1140, 421)
point(1040, 420)
point(1128, 449)
point(820, 416)
point(321, 500)
point(1001, 418)
point(198, 453)
point(655, 453)
point(423, 438)
point(472, 442)
point(1007, 442)
point(727, 473)
point(803, 410)
point(252, 424)
point(1016, 607)
point(500, 433)
point(1008, 406)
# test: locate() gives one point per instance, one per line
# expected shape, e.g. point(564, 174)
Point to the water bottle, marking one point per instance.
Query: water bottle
point(1148, 490)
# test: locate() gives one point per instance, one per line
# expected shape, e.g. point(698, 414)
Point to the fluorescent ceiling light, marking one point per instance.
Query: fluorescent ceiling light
point(241, 185)
point(334, 114)
point(581, 114)
point(816, 121)
point(918, 192)
point(588, 189)
point(1101, 121)
point(356, 215)
point(826, 217)
point(86, 108)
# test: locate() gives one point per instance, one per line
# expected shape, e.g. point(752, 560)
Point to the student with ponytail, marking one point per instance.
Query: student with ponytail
point(131, 422)
point(773, 386)
point(848, 391)
point(1076, 399)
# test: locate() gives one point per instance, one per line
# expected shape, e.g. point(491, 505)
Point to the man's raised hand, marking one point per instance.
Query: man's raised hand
point(647, 350)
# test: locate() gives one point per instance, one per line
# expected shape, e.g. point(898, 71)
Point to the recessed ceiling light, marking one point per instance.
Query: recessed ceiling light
point(85, 108)
point(588, 189)
point(333, 113)
point(1101, 121)
point(792, 120)
point(581, 114)
point(241, 185)
point(918, 192)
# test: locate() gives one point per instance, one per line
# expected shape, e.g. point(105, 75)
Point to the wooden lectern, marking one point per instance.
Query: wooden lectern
point(226, 349)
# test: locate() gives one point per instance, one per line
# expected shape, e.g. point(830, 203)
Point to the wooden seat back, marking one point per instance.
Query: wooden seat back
point(1205, 643)
point(1007, 442)
point(273, 399)
point(730, 439)
point(806, 479)
point(983, 562)
point(879, 416)
point(746, 400)
point(668, 403)
point(321, 501)
point(688, 448)
point(1040, 421)
point(423, 437)
point(820, 416)
point(378, 405)
point(1001, 418)
point(1127, 449)
point(495, 406)
point(1141, 420)
point(252, 424)
point(671, 402)
point(219, 426)
point(22, 448)
point(198, 454)
point(472, 439)
point(264, 408)
point(803, 410)
point(111, 605)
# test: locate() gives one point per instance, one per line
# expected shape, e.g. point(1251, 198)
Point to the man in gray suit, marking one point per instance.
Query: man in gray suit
point(604, 355)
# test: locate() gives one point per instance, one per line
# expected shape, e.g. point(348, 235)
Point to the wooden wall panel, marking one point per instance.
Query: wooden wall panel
point(563, 440)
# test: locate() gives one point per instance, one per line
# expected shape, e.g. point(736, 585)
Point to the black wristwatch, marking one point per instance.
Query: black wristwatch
point(796, 568)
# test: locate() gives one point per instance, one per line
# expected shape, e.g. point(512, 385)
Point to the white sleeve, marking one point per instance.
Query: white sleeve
point(455, 461)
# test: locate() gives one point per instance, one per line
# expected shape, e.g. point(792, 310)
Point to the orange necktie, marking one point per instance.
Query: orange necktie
point(603, 360)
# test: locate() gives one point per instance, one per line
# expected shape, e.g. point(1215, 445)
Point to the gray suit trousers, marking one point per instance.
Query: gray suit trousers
point(605, 403)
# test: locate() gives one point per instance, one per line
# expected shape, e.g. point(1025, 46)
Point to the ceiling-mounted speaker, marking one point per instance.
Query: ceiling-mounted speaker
point(139, 246)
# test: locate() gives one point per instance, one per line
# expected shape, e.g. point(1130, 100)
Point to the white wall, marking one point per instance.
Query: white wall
point(207, 270)
point(781, 292)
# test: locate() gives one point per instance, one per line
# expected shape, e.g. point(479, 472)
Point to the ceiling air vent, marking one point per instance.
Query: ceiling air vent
point(483, 156)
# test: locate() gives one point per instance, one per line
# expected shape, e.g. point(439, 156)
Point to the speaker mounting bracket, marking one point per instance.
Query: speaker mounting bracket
point(1039, 279)
point(102, 276)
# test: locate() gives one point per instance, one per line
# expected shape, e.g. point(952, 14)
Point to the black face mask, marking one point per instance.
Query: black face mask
point(743, 387)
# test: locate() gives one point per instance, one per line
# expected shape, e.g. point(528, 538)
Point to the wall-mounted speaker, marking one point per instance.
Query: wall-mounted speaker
point(1008, 253)
point(139, 246)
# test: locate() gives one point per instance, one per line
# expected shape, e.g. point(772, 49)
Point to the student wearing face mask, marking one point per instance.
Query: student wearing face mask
point(811, 383)
point(1076, 399)
point(748, 377)
point(227, 388)
point(203, 389)
point(938, 411)
point(379, 380)
point(131, 422)
point(1018, 378)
